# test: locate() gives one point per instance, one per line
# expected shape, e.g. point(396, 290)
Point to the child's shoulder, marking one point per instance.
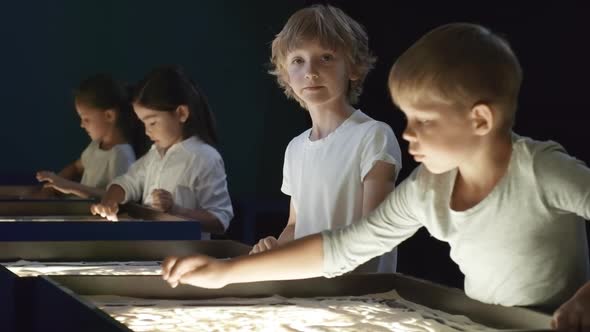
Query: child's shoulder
point(89, 152)
point(198, 148)
point(92, 146)
point(368, 126)
point(123, 150)
point(299, 139)
point(421, 183)
point(527, 147)
point(542, 159)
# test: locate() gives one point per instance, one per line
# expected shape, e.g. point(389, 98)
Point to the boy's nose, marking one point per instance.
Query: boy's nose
point(408, 134)
point(311, 75)
point(311, 72)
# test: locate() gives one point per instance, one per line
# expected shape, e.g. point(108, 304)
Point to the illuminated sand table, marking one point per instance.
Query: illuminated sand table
point(32, 269)
point(379, 312)
point(51, 218)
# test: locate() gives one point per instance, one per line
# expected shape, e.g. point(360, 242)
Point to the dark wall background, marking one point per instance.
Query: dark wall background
point(47, 48)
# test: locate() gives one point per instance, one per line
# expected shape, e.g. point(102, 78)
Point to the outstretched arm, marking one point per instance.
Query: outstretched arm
point(65, 178)
point(298, 259)
point(72, 171)
point(63, 185)
point(330, 253)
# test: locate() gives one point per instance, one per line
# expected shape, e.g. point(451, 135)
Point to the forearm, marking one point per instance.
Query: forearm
point(209, 222)
point(81, 190)
point(298, 259)
point(584, 291)
point(115, 193)
point(71, 172)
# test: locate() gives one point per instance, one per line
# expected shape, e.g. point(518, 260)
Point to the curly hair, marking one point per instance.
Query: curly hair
point(333, 29)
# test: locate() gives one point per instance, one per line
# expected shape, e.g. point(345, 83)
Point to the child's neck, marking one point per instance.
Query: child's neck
point(327, 117)
point(163, 150)
point(477, 177)
point(112, 139)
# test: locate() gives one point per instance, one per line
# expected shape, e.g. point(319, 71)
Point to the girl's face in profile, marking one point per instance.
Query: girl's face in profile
point(162, 127)
point(97, 123)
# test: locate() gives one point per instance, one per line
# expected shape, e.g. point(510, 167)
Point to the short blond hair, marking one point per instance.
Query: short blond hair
point(334, 30)
point(458, 64)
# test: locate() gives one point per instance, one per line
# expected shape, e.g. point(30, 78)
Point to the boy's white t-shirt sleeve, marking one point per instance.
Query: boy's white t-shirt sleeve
point(563, 179)
point(392, 222)
point(133, 181)
point(211, 190)
point(380, 144)
point(286, 185)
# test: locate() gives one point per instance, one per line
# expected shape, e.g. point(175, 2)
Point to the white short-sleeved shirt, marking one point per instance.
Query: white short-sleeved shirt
point(102, 166)
point(524, 244)
point(325, 177)
point(191, 170)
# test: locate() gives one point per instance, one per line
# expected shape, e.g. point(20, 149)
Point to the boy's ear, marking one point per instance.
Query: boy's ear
point(354, 75)
point(482, 117)
point(182, 112)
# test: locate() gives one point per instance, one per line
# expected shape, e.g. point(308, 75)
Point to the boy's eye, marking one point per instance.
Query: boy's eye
point(152, 123)
point(327, 57)
point(297, 61)
point(424, 122)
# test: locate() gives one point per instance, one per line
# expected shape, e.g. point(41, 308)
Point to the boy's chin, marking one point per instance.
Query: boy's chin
point(436, 169)
point(162, 146)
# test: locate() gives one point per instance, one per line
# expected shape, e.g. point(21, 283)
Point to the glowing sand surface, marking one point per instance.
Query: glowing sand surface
point(32, 269)
point(379, 312)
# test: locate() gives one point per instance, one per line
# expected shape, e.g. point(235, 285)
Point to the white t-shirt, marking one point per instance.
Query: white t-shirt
point(325, 177)
point(523, 244)
point(192, 171)
point(102, 166)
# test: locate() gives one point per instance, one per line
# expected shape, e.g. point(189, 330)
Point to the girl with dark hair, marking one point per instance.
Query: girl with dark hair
point(182, 173)
point(104, 107)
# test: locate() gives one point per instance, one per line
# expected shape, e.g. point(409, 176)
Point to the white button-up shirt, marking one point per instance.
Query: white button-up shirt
point(192, 170)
